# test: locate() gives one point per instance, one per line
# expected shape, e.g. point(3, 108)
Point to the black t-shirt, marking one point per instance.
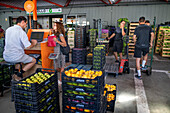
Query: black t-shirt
point(118, 34)
point(143, 33)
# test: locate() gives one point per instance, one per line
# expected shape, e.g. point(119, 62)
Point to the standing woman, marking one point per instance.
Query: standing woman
point(60, 41)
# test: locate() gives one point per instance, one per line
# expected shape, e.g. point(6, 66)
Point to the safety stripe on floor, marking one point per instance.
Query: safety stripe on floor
point(141, 100)
point(162, 71)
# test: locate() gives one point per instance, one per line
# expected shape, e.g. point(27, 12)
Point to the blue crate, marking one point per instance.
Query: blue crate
point(35, 105)
point(87, 67)
point(95, 108)
point(97, 68)
point(71, 66)
point(89, 87)
point(78, 49)
point(34, 86)
point(22, 107)
point(97, 80)
point(78, 62)
point(79, 54)
point(31, 96)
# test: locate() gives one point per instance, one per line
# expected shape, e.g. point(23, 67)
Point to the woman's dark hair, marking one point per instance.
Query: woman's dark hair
point(60, 29)
point(20, 19)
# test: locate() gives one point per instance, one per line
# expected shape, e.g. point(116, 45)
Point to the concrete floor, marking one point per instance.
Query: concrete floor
point(156, 90)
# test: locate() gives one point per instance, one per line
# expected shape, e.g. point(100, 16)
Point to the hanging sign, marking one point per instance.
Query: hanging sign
point(48, 11)
point(29, 6)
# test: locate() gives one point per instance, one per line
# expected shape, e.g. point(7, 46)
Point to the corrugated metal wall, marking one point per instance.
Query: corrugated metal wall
point(113, 13)
point(110, 14)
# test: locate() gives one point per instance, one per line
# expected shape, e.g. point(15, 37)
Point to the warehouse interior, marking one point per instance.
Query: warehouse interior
point(88, 26)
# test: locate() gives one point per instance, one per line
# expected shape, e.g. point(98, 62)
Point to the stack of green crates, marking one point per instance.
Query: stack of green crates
point(93, 35)
point(2, 40)
point(99, 59)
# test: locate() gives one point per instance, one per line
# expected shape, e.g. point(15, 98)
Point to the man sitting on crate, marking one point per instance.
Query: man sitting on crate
point(143, 33)
point(16, 41)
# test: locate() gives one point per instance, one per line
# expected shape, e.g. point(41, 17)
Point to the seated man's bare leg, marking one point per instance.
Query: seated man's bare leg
point(29, 65)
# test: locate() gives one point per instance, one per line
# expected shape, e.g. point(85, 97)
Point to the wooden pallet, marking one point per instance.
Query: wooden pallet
point(165, 55)
point(132, 27)
point(160, 47)
point(131, 53)
point(134, 24)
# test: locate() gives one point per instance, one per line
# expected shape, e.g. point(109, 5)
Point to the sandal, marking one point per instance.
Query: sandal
point(15, 77)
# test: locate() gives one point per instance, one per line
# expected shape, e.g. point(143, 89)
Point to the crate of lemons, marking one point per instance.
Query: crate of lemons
point(36, 78)
point(110, 90)
point(83, 73)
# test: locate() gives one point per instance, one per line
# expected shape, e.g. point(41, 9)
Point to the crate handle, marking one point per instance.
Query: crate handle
point(48, 91)
point(49, 107)
point(80, 97)
point(48, 99)
point(47, 82)
point(80, 105)
point(79, 89)
point(80, 80)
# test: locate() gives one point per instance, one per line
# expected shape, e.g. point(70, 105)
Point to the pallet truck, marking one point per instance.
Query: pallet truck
point(123, 67)
point(124, 64)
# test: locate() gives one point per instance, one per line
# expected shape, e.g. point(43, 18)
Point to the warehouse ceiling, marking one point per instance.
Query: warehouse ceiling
point(19, 4)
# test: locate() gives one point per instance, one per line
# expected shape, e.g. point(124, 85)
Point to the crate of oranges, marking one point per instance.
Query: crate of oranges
point(83, 76)
point(111, 96)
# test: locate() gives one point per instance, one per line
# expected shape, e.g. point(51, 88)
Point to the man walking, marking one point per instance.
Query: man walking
point(142, 42)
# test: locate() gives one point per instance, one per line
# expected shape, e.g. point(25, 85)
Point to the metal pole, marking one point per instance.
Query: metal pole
point(35, 15)
point(153, 43)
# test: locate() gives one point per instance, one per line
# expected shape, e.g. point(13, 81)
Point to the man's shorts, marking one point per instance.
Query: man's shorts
point(118, 46)
point(24, 59)
point(140, 51)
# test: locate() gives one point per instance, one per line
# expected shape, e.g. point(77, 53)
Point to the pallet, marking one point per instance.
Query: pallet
point(134, 24)
point(132, 47)
point(165, 55)
point(132, 28)
point(131, 53)
point(111, 68)
point(166, 48)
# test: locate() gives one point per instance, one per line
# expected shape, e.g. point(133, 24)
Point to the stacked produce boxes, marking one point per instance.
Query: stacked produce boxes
point(111, 96)
point(99, 57)
point(79, 55)
point(83, 91)
point(163, 41)
point(165, 44)
point(89, 59)
point(132, 27)
point(80, 41)
point(105, 33)
point(37, 93)
point(71, 39)
point(159, 39)
point(93, 35)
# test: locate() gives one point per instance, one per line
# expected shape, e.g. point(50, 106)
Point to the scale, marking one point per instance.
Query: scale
point(53, 56)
